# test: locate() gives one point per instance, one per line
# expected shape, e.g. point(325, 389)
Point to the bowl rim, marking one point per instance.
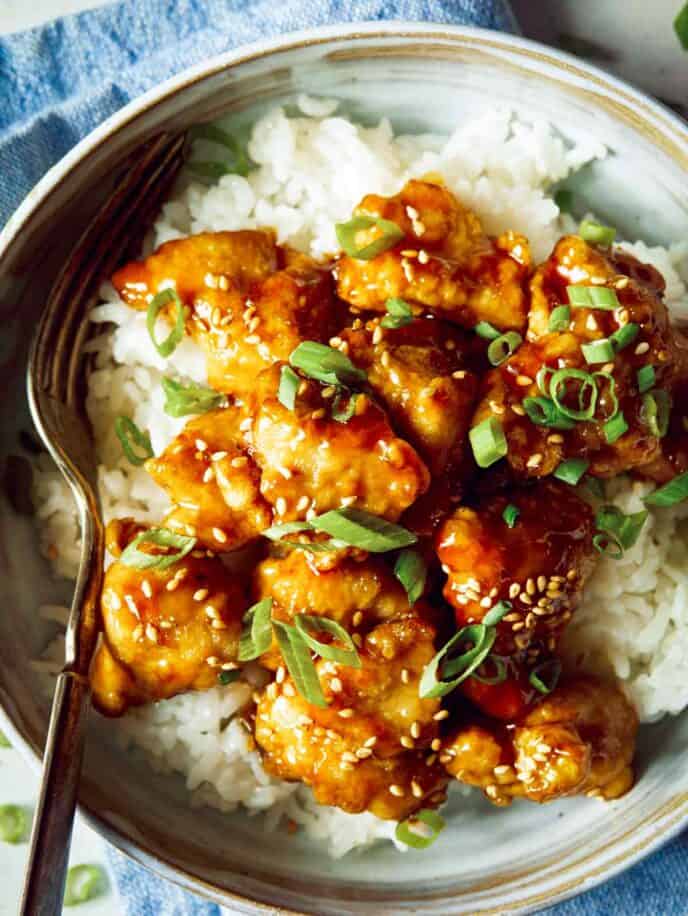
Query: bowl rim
point(570, 68)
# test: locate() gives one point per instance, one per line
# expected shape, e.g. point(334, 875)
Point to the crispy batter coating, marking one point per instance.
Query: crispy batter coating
point(166, 631)
point(367, 750)
point(578, 740)
point(444, 263)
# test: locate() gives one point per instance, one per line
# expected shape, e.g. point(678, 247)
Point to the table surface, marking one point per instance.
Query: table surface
point(596, 30)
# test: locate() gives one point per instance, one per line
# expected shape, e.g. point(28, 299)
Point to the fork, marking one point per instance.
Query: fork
point(56, 397)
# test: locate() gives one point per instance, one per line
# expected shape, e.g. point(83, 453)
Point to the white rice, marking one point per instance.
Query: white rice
point(312, 171)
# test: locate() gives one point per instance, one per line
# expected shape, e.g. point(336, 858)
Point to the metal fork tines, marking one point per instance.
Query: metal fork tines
point(56, 400)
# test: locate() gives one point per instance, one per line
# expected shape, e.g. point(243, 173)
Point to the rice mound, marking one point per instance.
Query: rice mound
point(312, 170)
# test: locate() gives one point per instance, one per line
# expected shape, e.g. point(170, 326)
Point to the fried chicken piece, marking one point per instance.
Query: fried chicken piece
point(311, 462)
point(368, 749)
point(250, 301)
point(539, 566)
point(166, 630)
point(213, 482)
point(445, 263)
point(578, 740)
point(357, 595)
point(535, 451)
point(419, 374)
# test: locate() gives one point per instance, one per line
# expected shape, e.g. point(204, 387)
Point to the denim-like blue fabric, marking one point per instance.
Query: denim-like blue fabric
point(57, 83)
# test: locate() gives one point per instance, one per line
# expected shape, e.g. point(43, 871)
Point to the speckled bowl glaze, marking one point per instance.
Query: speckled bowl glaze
point(424, 78)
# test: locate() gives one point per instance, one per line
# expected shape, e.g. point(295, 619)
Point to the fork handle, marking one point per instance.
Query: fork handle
point(54, 818)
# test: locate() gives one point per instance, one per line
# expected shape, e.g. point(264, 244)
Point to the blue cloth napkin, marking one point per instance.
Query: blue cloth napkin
point(60, 81)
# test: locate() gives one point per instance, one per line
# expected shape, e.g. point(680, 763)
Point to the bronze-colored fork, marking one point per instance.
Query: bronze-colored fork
point(56, 396)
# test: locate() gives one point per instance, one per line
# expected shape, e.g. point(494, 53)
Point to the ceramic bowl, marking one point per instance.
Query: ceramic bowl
point(424, 78)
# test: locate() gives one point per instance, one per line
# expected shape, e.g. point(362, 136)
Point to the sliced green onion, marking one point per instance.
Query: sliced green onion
point(399, 314)
point(445, 672)
point(563, 198)
point(288, 386)
point(503, 347)
point(544, 412)
point(326, 364)
point(4, 741)
point(208, 168)
point(571, 470)
point(624, 336)
point(624, 529)
point(315, 546)
point(84, 882)
point(510, 515)
point(159, 537)
point(344, 406)
point(656, 412)
point(498, 677)
point(275, 532)
point(411, 570)
point(13, 823)
point(486, 330)
point(488, 442)
point(593, 297)
point(615, 427)
point(587, 393)
point(542, 379)
point(560, 319)
point(135, 443)
point(608, 546)
point(672, 493)
point(256, 634)
point(545, 676)
point(297, 658)
point(225, 678)
point(646, 378)
point(590, 231)
point(182, 400)
point(421, 829)
point(239, 164)
point(167, 346)
point(598, 351)
point(495, 614)
point(307, 624)
point(595, 486)
point(348, 232)
point(681, 26)
point(361, 529)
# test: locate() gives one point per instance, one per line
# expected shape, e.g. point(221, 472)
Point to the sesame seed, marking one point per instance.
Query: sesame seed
point(349, 757)
point(524, 380)
point(406, 742)
point(510, 618)
point(384, 358)
point(210, 611)
point(514, 589)
point(542, 583)
point(356, 639)
point(363, 752)
point(416, 790)
point(200, 594)
point(172, 585)
point(345, 713)
point(218, 456)
point(219, 535)
point(280, 505)
point(252, 339)
point(642, 348)
point(525, 598)
point(459, 374)
point(302, 504)
point(534, 460)
point(442, 714)
point(336, 685)
point(621, 283)
point(164, 625)
point(430, 760)
point(405, 676)
point(518, 410)
point(378, 334)
point(328, 392)
point(486, 602)
point(396, 790)
point(146, 588)
point(555, 438)
point(131, 604)
point(137, 633)
point(502, 769)
point(201, 445)
point(335, 342)
point(208, 475)
point(591, 323)
point(318, 414)
point(151, 633)
point(423, 256)
point(239, 462)
point(253, 324)
point(415, 730)
point(530, 587)
point(435, 744)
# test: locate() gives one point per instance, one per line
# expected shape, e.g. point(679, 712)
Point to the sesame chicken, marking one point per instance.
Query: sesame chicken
point(578, 740)
point(444, 263)
point(165, 631)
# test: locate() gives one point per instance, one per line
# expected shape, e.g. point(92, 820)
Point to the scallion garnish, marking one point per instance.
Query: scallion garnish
point(182, 400)
point(563, 198)
point(681, 26)
point(615, 427)
point(84, 882)
point(256, 634)
point(348, 233)
point(672, 493)
point(157, 537)
point(399, 314)
point(498, 677)
point(559, 319)
point(297, 658)
point(446, 670)
point(167, 346)
point(598, 351)
point(624, 336)
point(618, 531)
point(4, 741)
point(486, 330)
point(571, 470)
point(593, 297)
point(344, 406)
point(421, 829)
point(307, 624)
point(239, 163)
point(590, 231)
point(326, 364)
point(488, 442)
point(545, 676)
point(646, 378)
point(13, 823)
point(656, 412)
point(504, 346)
point(543, 411)
point(510, 515)
point(225, 678)
point(135, 443)
point(411, 570)
point(542, 378)
point(361, 529)
point(595, 486)
point(288, 387)
point(586, 393)
point(211, 169)
point(496, 613)
point(276, 532)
